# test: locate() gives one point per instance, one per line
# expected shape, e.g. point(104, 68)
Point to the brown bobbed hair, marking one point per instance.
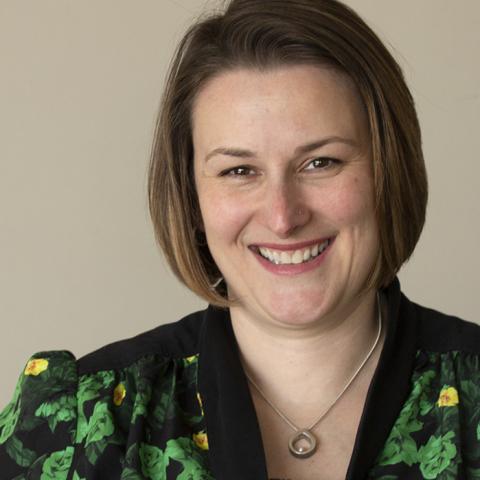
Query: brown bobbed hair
point(262, 35)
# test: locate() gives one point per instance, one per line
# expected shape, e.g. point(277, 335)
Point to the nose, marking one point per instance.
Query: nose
point(283, 210)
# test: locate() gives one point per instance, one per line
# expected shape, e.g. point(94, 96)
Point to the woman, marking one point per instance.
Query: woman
point(287, 187)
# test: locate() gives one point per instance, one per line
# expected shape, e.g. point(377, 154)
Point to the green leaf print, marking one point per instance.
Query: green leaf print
point(56, 466)
point(185, 451)
point(162, 408)
point(154, 461)
point(95, 450)
point(400, 447)
point(470, 399)
point(130, 456)
point(142, 399)
point(90, 387)
point(421, 396)
point(129, 464)
point(142, 377)
point(435, 456)
point(165, 406)
point(473, 473)
point(131, 474)
point(10, 415)
point(18, 453)
point(470, 394)
point(61, 410)
point(76, 476)
point(425, 406)
point(100, 424)
point(408, 421)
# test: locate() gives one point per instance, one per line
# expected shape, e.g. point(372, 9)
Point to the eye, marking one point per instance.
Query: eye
point(322, 163)
point(240, 171)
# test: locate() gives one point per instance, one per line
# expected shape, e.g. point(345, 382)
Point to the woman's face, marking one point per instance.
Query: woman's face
point(283, 170)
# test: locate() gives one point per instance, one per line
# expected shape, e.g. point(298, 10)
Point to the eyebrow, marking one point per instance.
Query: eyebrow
point(242, 153)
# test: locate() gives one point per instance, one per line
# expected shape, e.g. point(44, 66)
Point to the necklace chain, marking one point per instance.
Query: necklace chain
point(307, 432)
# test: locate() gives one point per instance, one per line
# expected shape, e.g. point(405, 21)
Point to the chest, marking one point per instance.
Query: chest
point(329, 462)
point(335, 436)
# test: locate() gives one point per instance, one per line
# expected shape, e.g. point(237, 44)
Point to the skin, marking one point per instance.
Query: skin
point(285, 324)
point(271, 114)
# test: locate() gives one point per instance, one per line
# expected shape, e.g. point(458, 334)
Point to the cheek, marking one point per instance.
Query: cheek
point(351, 203)
point(223, 216)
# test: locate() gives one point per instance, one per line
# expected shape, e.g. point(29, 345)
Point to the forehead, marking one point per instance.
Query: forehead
point(277, 105)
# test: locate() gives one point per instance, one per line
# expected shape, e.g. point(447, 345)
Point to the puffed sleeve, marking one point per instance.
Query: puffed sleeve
point(38, 426)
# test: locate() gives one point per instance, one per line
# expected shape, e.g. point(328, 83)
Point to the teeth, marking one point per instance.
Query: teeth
point(276, 257)
point(296, 257)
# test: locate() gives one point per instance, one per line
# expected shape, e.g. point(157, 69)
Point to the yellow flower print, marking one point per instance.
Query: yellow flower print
point(36, 366)
point(190, 359)
point(448, 397)
point(119, 394)
point(199, 398)
point(201, 440)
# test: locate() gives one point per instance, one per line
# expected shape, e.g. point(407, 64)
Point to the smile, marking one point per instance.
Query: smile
point(282, 257)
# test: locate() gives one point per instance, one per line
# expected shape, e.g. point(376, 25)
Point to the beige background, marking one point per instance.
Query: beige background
point(80, 84)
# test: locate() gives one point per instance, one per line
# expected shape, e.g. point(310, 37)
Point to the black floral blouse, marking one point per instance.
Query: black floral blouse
point(174, 403)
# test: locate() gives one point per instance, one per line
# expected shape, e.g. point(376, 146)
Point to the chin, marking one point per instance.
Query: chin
point(302, 312)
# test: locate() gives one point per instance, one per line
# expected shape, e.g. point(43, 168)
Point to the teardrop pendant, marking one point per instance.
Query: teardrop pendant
point(302, 451)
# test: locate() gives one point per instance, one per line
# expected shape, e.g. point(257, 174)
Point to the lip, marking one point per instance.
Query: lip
point(294, 269)
point(290, 246)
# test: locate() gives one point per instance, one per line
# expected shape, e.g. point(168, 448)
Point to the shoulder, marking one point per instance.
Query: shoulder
point(438, 331)
point(41, 413)
point(172, 340)
point(47, 374)
point(61, 401)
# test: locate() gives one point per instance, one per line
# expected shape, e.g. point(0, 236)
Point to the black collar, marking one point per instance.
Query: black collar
point(235, 442)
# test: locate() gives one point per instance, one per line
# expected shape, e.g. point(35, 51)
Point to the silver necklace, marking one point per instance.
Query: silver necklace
point(306, 434)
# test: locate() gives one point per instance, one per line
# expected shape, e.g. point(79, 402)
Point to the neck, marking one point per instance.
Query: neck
point(298, 368)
